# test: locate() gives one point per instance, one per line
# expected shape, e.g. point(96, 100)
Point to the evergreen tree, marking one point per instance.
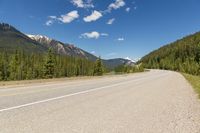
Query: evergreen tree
point(182, 55)
point(129, 69)
point(1, 67)
point(14, 64)
point(21, 65)
point(98, 68)
point(5, 66)
point(49, 66)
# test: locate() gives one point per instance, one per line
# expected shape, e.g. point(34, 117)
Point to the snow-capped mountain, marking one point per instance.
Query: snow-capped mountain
point(130, 61)
point(12, 39)
point(127, 58)
point(71, 50)
point(61, 48)
point(40, 38)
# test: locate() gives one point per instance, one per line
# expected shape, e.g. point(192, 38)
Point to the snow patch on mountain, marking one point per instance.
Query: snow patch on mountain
point(127, 58)
point(40, 38)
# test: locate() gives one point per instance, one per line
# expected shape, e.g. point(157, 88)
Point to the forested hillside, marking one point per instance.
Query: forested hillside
point(182, 55)
point(21, 66)
point(12, 39)
point(26, 57)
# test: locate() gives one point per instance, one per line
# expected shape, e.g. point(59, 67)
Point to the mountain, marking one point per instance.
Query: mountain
point(12, 39)
point(182, 55)
point(71, 50)
point(62, 48)
point(112, 63)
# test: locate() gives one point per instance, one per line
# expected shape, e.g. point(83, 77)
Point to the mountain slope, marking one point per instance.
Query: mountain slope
point(61, 48)
point(182, 55)
point(71, 50)
point(12, 39)
point(112, 63)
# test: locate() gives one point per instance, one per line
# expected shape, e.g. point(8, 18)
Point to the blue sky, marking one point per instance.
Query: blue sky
point(136, 26)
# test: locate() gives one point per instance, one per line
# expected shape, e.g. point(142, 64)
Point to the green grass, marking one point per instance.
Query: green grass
point(194, 81)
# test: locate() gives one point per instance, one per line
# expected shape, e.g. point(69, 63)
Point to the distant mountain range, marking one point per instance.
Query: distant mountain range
point(12, 39)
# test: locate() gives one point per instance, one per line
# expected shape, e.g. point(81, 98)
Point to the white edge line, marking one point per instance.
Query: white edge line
point(60, 97)
point(65, 96)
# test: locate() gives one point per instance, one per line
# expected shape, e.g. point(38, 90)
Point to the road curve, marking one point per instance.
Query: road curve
point(151, 102)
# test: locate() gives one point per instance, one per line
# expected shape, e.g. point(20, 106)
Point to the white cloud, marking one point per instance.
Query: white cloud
point(49, 22)
point(121, 39)
point(110, 21)
point(83, 4)
point(104, 34)
point(128, 9)
point(116, 5)
point(93, 17)
point(52, 17)
point(93, 35)
point(78, 3)
point(69, 17)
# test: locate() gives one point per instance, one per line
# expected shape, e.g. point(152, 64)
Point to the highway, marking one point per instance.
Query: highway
point(150, 102)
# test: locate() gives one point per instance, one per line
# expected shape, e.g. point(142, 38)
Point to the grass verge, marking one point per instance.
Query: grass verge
point(194, 81)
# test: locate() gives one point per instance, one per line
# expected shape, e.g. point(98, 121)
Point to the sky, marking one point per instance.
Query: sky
point(106, 28)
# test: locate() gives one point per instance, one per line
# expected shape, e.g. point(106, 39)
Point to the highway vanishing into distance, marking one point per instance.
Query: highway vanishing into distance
point(150, 102)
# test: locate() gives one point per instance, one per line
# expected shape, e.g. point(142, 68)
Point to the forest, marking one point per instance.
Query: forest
point(22, 58)
point(129, 69)
point(182, 55)
point(23, 66)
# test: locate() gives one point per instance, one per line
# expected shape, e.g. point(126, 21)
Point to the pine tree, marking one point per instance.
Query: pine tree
point(98, 68)
point(14, 64)
point(5, 66)
point(21, 65)
point(1, 67)
point(49, 67)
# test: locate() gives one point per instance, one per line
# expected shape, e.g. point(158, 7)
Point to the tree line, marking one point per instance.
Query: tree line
point(23, 66)
point(129, 69)
point(182, 55)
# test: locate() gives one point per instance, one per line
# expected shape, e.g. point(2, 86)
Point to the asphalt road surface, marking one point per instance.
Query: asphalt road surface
point(150, 102)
